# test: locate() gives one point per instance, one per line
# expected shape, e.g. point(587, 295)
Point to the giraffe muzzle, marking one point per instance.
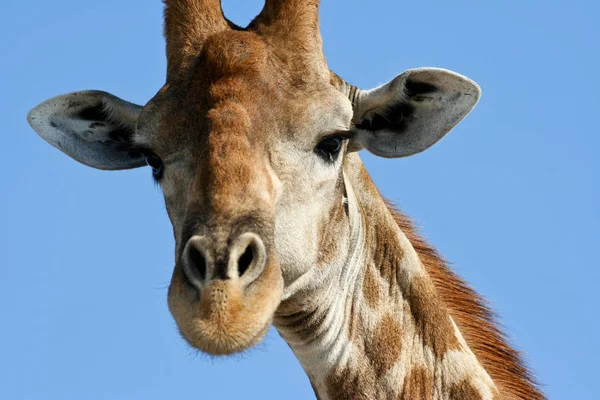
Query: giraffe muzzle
point(223, 297)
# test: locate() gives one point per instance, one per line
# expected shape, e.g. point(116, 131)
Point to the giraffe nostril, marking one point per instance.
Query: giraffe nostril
point(197, 263)
point(245, 260)
point(248, 257)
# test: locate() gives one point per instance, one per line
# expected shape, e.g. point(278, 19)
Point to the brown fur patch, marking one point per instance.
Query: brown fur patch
point(474, 319)
point(370, 288)
point(330, 230)
point(387, 256)
point(431, 317)
point(351, 381)
point(384, 349)
point(464, 391)
point(418, 385)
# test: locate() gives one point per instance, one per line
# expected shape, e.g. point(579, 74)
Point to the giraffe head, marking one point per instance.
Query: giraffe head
point(247, 139)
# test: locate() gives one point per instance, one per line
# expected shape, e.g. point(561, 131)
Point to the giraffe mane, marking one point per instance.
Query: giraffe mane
point(476, 321)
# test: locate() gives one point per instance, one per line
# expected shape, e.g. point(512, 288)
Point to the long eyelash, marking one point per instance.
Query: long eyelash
point(158, 178)
point(342, 134)
point(144, 151)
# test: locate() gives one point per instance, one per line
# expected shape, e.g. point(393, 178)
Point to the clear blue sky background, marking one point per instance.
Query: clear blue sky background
point(511, 196)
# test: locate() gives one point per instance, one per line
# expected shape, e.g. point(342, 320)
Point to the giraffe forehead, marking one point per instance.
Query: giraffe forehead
point(274, 96)
point(233, 52)
point(185, 113)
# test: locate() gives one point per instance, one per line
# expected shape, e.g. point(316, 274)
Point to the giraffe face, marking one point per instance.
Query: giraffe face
point(248, 154)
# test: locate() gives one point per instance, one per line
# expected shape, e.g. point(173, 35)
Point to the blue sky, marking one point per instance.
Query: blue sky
point(510, 197)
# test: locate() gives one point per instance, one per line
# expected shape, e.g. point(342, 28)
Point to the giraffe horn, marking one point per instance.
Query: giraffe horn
point(187, 24)
point(295, 22)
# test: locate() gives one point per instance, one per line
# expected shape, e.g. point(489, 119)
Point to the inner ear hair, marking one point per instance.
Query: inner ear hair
point(102, 115)
point(413, 89)
point(395, 115)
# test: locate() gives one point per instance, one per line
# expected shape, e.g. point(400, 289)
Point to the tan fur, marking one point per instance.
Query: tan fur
point(474, 319)
point(399, 324)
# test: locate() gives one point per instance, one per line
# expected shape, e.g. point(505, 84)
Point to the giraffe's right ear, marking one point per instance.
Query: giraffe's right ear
point(93, 127)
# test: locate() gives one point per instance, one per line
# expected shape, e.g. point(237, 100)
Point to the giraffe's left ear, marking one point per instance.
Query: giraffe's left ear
point(412, 112)
point(92, 127)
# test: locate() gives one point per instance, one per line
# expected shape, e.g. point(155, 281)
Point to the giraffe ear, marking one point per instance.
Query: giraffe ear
point(92, 127)
point(412, 112)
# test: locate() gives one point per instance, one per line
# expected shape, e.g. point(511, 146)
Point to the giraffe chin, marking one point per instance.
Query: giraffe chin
point(225, 318)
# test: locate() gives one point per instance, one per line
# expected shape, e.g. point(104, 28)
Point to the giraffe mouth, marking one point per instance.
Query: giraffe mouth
point(225, 317)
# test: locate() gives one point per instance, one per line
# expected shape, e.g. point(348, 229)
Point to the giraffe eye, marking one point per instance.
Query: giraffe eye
point(156, 164)
point(329, 148)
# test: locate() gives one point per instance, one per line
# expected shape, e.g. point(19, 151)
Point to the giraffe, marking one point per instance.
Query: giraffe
point(255, 144)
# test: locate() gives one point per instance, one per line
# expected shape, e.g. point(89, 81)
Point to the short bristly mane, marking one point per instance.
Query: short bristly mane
point(474, 318)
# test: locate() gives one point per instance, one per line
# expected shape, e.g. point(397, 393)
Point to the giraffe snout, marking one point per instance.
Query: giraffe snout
point(224, 293)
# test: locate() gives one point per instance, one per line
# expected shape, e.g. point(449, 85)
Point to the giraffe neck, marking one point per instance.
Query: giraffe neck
point(370, 325)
